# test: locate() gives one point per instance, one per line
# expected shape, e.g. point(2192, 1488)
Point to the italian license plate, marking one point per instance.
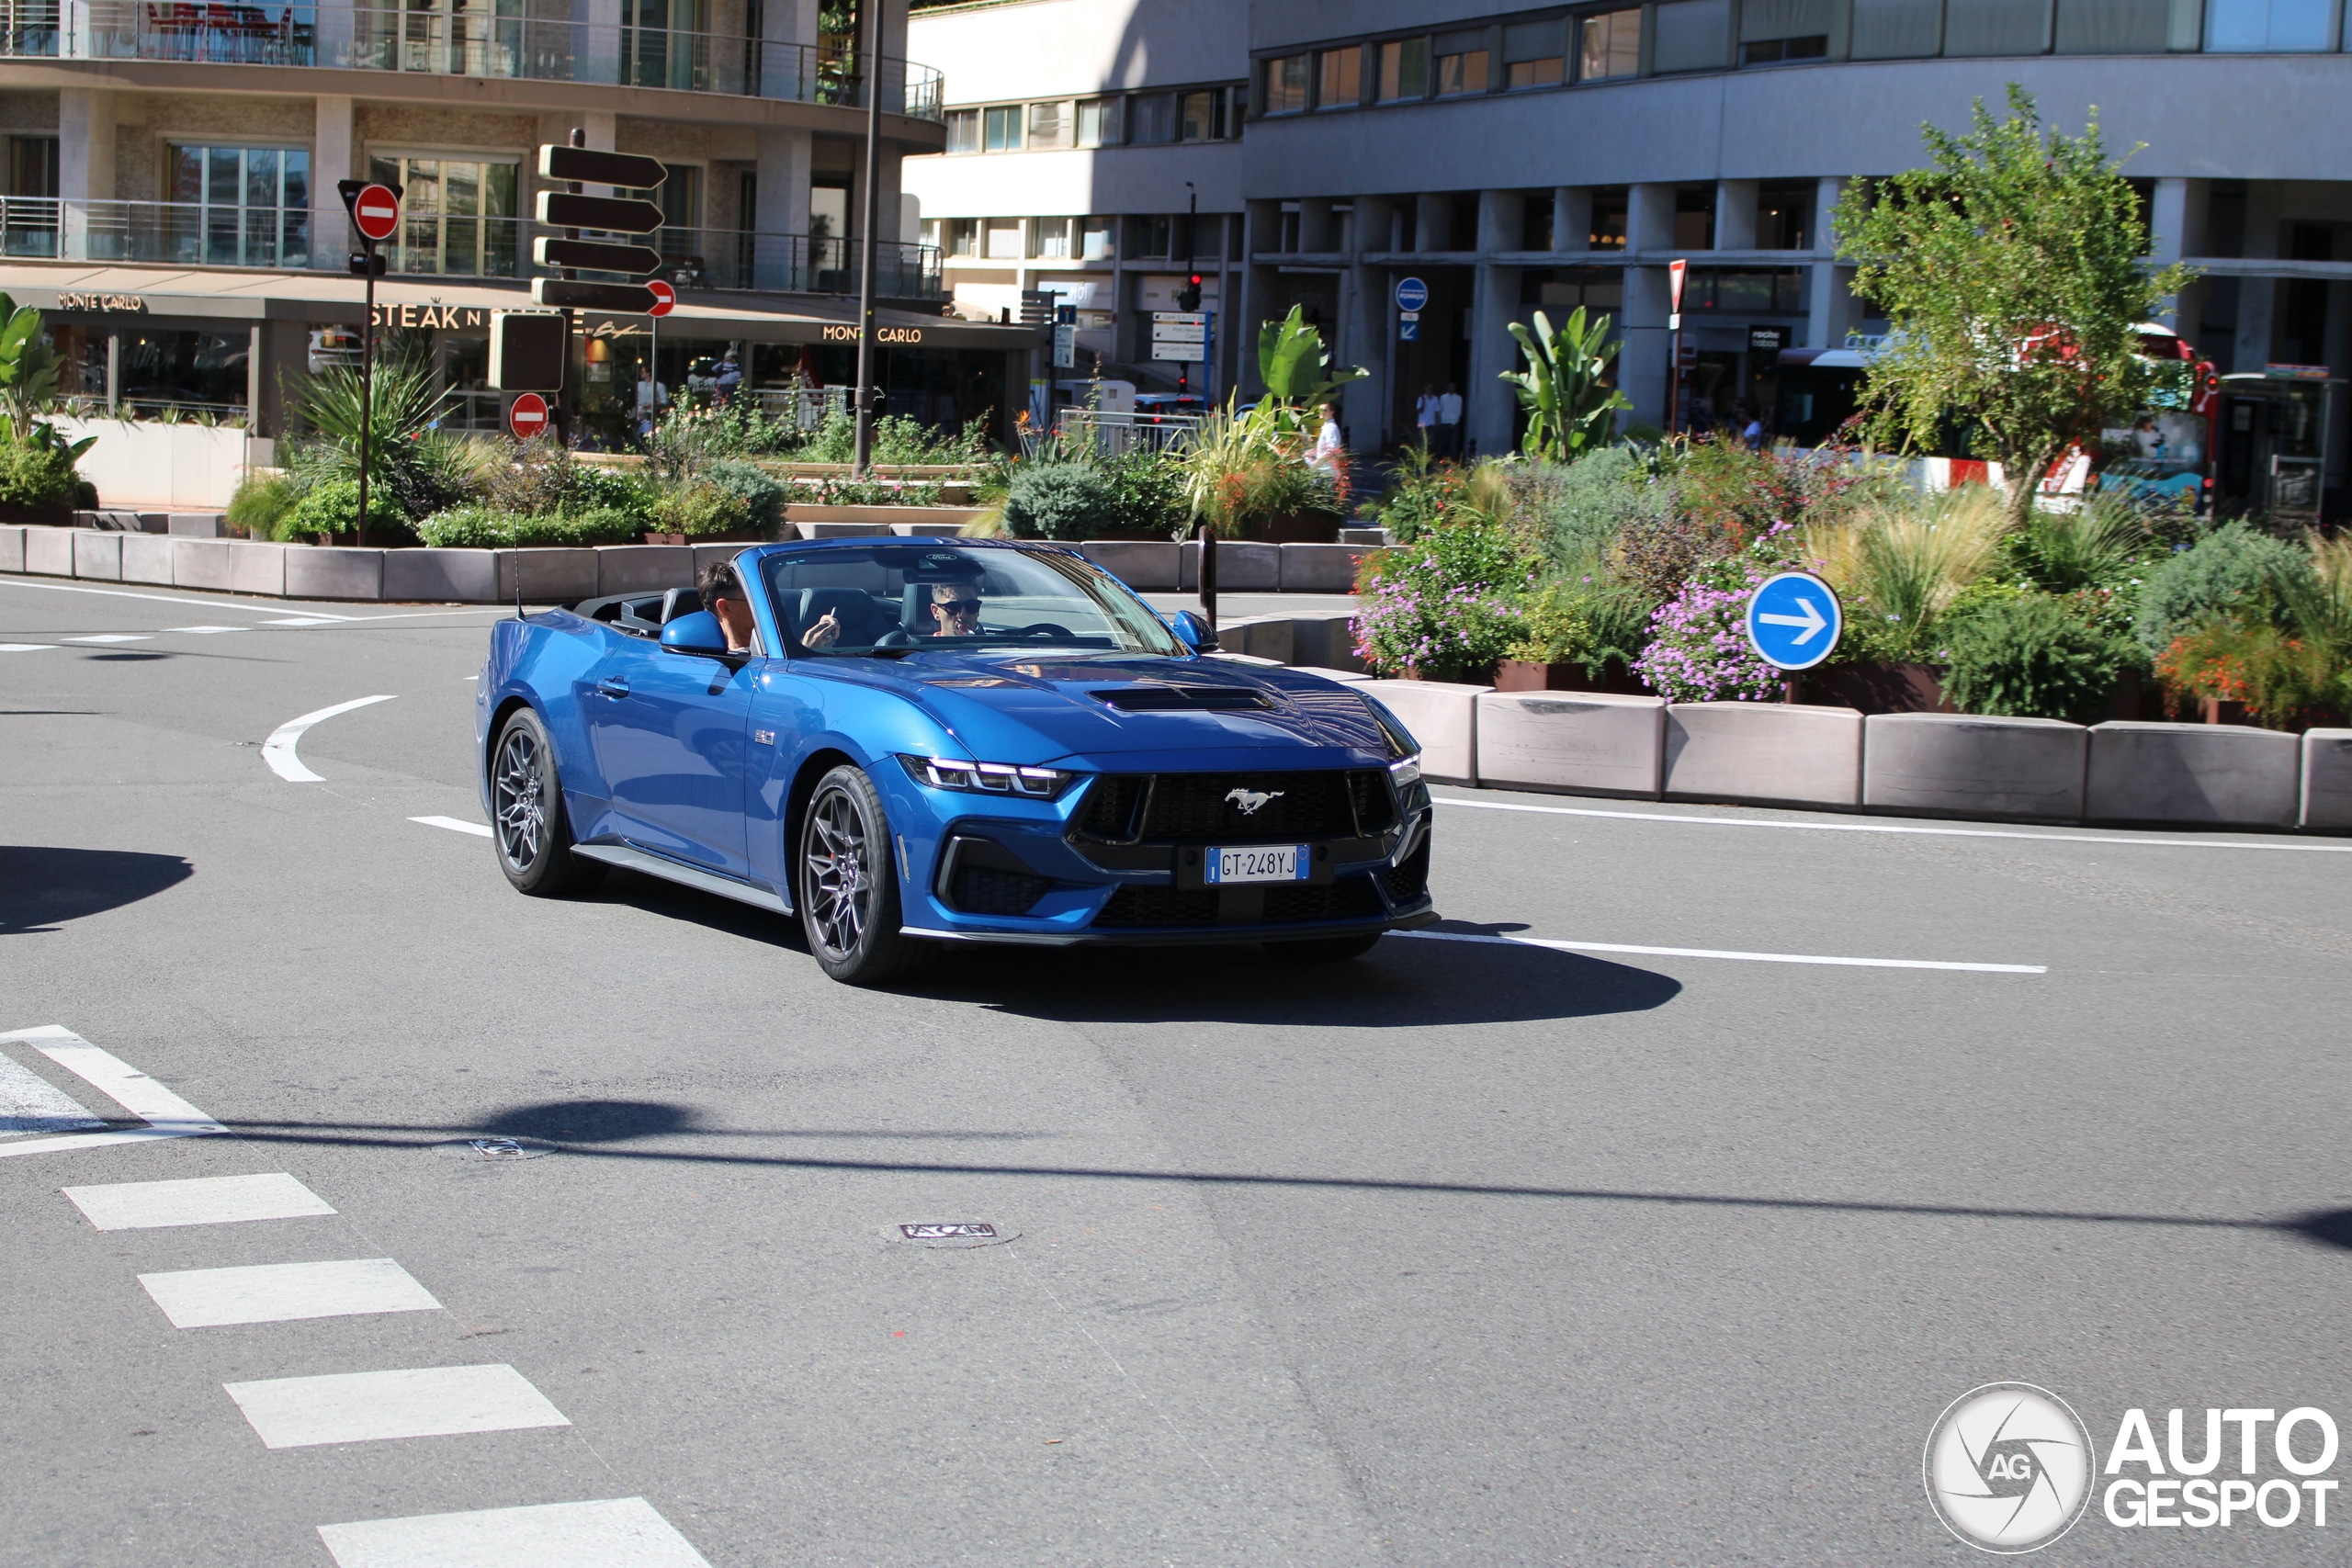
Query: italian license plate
point(1258, 863)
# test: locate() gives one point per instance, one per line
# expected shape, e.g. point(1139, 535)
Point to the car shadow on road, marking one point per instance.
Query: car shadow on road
point(42, 884)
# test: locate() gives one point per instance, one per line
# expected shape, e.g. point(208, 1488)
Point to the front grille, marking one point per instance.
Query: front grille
point(1159, 907)
point(1349, 899)
point(977, 890)
point(1409, 878)
point(1208, 807)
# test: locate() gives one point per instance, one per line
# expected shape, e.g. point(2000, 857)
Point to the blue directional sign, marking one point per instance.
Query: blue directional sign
point(1794, 620)
point(1409, 332)
point(1412, 294)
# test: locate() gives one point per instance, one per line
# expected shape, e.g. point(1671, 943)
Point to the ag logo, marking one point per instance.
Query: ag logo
point(2008, 1467)
point(1250, 799)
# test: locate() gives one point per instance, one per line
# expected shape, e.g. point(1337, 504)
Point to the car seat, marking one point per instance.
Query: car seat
point(680, 602)
point(862, 620)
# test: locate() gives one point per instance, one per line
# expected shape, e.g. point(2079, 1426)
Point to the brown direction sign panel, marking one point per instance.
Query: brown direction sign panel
point(591, 166)
point(596, 255)
point(614, 215)
point(634, 298)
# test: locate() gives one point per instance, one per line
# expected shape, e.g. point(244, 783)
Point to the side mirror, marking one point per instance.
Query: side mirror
point(1192, 632)
point(698, 632)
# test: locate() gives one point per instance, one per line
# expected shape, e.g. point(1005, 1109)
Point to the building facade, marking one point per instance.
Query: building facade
point(171, 200)
point(1516, 159)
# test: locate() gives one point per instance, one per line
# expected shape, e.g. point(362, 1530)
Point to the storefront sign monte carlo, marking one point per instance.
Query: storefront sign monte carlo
point(846, 331)
point(131, 302)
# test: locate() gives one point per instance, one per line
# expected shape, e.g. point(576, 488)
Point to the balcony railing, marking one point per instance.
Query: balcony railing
point(442, 245)
point(448, 42)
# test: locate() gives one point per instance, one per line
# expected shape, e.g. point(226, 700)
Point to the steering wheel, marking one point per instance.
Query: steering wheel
point(896, 638)
point(1046, 629)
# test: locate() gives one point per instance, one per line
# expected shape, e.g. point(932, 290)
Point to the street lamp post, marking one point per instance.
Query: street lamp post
point(862, 454)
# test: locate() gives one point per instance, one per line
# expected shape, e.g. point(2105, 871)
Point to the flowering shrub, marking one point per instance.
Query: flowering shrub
point(1699, 650)
point(2284, 681)
point(1443, 608)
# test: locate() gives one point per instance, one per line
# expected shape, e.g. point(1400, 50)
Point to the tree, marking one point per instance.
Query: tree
point(1567, 408)
point(2013, 277)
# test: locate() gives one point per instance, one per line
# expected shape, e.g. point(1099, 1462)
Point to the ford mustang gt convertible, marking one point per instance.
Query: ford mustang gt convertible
point(923, 741)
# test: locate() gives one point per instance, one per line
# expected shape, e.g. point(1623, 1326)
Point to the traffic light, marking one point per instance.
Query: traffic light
point(1189, 296)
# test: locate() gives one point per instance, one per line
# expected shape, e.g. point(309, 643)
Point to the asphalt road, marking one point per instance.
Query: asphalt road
point(1470, 1252)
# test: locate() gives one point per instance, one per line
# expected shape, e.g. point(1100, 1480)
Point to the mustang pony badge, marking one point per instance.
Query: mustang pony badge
point(1250, 799)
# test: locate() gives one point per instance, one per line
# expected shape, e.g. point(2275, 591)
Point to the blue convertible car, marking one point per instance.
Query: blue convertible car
point(915, 741)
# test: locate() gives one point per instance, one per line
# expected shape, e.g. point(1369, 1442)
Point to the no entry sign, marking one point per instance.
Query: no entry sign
point(665, 298)
point(529, 416)
point(376, 212)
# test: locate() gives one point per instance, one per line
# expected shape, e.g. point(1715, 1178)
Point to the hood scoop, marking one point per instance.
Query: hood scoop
point(1184, 699)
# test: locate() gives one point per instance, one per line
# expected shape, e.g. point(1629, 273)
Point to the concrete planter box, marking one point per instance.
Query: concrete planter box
point(49, 552)
point(97, 557)
point(2213, 774)
point(643, 569)
point(1241, 567)
point(549, 576)
point(706, 554)
point(201, 563)
point(1321, 568)
point(1933, 764)
point(1442, 717)
point(441, 577)
point(838, 527)
point(147, 557)
point(257, 568)
point(930, 519)
point(1588, 743)
point(933, 522)
point(1269, 638)
point(11, 547)
point(1327, 640)
point(1145, 565)
point(1764, 755)
point(334, 571)
point(2327, 781)
point(195, 525)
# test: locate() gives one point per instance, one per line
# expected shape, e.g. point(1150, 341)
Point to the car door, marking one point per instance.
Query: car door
point(668, 732)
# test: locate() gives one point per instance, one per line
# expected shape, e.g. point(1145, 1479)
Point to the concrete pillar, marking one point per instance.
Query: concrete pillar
point(2258, 297)
point(1494, 300)
point(1432, 222)
point(1571, 218)
point(602, 128)
point(599, 47)
point(1317, 231)
point(1734, 215)
point(1642, 367)
point(1364, 404)
point(335, 155)
point(2175, 228)
point(86, 121)
point(1832, 310)
point(1260, 285)
point(780, 185)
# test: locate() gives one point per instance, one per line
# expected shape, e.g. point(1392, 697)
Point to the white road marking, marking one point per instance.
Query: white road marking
point(196, 1200)
point(364, 1407)
point(1725, 953)
point(165, 1114)
point(26, 646)
point(248, 607)
point(30, 1104)
point(282, 1292)
point(310, 621)
point(278, 750)
point(207, 631)
point(115, 637)
point(454, 825)
point(622, 1532)
point(2249, 843)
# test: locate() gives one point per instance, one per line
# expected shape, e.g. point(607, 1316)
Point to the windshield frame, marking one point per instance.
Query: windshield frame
point(1133, 626)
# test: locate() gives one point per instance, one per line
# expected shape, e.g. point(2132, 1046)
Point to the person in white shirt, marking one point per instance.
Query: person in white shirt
point(1449, 422)
point(1326, 455)
point(652, 397)
point(1425, 418)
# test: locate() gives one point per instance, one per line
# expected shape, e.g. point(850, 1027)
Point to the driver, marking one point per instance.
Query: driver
point(723, 596)
point(955, 609)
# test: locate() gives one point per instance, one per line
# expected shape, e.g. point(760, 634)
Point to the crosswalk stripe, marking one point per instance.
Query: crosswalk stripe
point(207, 631)
point(454, 825)
point(114, 637)
point(421, 1402)
point(620, 1532)
point(197, 1201)
point(165, 1114)
point(283, 1293)
point(26, 646)
point(30, 1104)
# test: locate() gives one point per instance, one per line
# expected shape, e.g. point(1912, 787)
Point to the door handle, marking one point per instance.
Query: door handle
point(613, 687)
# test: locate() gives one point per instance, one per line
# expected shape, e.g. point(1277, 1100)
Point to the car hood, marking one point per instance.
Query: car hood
point(1015, 707)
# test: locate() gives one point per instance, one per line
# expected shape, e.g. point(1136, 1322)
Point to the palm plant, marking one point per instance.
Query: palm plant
point(1295, 367)
point(1568, 409)
point(422, 468)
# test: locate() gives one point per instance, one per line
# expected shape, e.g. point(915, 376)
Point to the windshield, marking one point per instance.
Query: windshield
point(939, 595)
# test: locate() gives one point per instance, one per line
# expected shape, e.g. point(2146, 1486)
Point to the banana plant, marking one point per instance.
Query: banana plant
point(27, 370)
point(1294, 366)
point(1569, 411)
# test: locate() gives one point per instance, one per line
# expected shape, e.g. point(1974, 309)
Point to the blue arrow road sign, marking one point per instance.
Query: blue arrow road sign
point(1794, 620)
point(1409, 332)
point(1412, 294)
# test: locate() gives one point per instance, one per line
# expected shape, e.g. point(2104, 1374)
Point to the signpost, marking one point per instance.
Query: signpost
point(529, 416)
point(1676, 271)
point(1794, 621)
point(1179, 336)
point(568, 208)
point(1412, 294)
point(1064, 337)
point(375, 211)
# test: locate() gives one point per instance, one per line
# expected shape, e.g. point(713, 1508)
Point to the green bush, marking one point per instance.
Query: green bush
point(33, 473)
point(1557, 630)
point(332, 507)
point(699, 510)
point(261, 500)
point(2230, 568)
point(2031, 656)
point(477, 526)
point(1150, 491)
point(1061, 501)
point(763, 497)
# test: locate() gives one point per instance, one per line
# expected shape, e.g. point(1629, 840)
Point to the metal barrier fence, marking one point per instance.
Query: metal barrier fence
point(1113, 435)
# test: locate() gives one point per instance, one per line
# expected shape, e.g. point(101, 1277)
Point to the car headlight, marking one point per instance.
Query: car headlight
point(988, 778)
point(1407, 774)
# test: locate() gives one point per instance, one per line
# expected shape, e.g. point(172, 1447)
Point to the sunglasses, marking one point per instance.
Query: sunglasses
point(958, 607)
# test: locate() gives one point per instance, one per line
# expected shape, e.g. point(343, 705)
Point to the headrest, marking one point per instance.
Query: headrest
point(680, 602)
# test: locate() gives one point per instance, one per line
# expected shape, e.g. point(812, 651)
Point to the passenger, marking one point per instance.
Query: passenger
point(955, 609)
point(723, 596)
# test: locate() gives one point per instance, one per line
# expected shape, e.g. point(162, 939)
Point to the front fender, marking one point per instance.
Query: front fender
point(542, 663)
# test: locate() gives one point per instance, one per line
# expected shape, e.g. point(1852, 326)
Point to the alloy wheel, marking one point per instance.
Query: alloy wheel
point(840, 882)
point(519, 812)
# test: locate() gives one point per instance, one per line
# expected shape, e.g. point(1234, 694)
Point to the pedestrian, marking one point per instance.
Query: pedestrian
point(652, 398)
point(1328, 453)
point(1753, 436)
point(731, 377)
point(1449, 422)
point(1425, 420)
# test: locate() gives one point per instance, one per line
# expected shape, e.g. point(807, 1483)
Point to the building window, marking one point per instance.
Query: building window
point(1783, 216)
point(32, 166)
point(963, 237)
point(1460, 67)
point(1097, 236)
point(1536, 222)
point(1151, 120)
point(963, 131)
point(1774, 52)
point(1404, 70)
point(1004, 239)
point(2112, 27)
point(1609, 208)
point(1049, 125)
point(1286, 83)
point(1098, 123)
point(1338, 78)
point(1544, 72)
point(1533, 55)
point(1745, 293)
point(1203, 116)
point(1049, 239)
point(1001, 132)
point(2266, 27)
point(1995, 26)
point(1151, 236)
point(244, 206)
point(458, 215)
point(1609, 45)
point(1695, 35)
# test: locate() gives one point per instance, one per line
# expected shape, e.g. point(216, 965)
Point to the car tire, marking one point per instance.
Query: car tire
point(1322, 950)
point(530, 829)
point(847, 885)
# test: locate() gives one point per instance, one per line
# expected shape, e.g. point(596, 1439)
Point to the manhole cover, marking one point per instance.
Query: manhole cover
point(494, 1148)
point(952, 1233)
